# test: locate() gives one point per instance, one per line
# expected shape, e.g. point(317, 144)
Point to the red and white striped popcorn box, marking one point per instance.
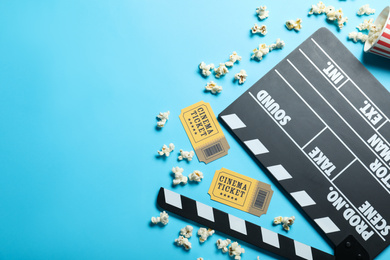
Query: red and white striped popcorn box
point(382, 45)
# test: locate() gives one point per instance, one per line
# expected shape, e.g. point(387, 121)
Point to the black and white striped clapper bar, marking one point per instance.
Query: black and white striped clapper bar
point(238, 228)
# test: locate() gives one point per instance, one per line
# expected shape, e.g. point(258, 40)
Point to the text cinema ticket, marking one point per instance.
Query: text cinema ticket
point(319, 122)
point(240, 192)
point(204, 132)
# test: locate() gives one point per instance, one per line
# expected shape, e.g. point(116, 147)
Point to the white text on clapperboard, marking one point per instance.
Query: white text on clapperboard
point(353, 218)
point(273, 107)
point(377, 167)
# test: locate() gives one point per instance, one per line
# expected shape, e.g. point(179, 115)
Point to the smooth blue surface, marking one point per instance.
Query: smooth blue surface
point(80, 85)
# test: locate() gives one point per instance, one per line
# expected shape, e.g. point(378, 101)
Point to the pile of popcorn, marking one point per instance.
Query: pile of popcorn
point(331, 13)
point(374, 31)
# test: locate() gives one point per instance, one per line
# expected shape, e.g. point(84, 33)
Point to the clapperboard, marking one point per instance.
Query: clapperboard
point(319, 123)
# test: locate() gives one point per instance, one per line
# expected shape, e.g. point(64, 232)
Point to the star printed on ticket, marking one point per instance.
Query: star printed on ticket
point(204, 132)
point(240, 192)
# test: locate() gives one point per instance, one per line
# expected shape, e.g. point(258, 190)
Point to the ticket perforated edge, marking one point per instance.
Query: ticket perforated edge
point(204, 132)
point(240, 192)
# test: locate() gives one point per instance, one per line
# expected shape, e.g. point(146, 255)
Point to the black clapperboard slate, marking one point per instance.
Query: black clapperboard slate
point(319, 123)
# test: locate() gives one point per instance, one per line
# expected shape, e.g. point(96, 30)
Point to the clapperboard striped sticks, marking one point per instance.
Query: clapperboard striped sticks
point(238, 228)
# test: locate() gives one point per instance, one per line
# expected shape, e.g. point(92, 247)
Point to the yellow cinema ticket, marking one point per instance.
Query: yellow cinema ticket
point(204, 132)
point(240, 192)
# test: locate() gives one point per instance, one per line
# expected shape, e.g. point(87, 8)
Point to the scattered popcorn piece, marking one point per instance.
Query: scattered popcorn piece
point(287, 222)
point(206, 69)
point(234, 57)
point(258, 258)
point(186, 231)
point(186, 155)
point(179, 178)
point(330, 11)
point(195, 176)
point(286, 227)
point(259, 29)
point(263, 49)
point(229, 64)
point(262, 12)
point(163, 116)
point(296, 25)
point(166, 150)
point(272, 46)
point(221, 70)
point(365, 9)
point(366, 25)
point(182, 241)
point(342, 21)
point(241, 76)
point(357, 36)
point(290, 24)
point(213, 87)
point(278, 220)
point(336, 15)
point(236, 250)
point(260, 52)
point(317, 9)
point(199, 258)
point(163, 218)
point(278, 45)
point(204, 233)
point(223, 244)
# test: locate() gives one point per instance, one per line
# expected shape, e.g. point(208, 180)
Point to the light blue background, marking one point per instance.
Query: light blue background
point(81, 83)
